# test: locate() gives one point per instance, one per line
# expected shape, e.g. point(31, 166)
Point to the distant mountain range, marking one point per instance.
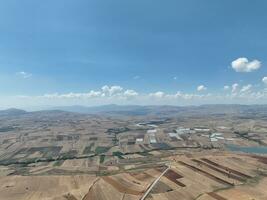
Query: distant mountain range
point(12, 112)
point(135, 110)
point(218, 109)
point(99, 109)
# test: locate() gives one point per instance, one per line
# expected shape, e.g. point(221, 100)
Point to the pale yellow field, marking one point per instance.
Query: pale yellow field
point(44, 187)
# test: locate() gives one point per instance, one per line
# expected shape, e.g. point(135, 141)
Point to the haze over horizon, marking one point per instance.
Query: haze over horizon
point(61, 53)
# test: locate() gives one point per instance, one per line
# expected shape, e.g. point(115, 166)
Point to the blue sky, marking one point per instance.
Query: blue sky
point(75, 46)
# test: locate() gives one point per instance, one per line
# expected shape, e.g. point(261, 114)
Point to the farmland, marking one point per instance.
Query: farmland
point(111, 156)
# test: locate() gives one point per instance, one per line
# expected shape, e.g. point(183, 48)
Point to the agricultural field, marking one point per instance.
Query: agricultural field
point(45, 187)
point(112, 156)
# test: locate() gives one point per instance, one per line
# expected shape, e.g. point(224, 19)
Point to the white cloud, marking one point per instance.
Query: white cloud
point(235, 87)
point(130, 93)
point(116, 94)
point(226, 87)
point(251, 97)
point(246, 88)
point(113, 90)
point(158, 94)
point(24, 74)
point(105, 92)
point(264, 79)
point(178, 94)
point(201, 88)
point(244, 65)
point(91, 94)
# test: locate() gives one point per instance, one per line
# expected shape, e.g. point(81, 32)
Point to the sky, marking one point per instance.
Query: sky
point(80, 52)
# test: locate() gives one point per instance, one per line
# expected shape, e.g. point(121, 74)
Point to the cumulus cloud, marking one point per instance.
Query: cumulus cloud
point(178, 94)
point(90, 94)
point(110, 91)
point(226, 87)
point(235, 87)
point(105, 92)
point(93, 93)
point(130, 93)
point(244, 95)
point(24, 74)
point(264, 80)
point(116, 94)
point(244, 65)
point(246, 88)
point(158, 94)
point(201, 88)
